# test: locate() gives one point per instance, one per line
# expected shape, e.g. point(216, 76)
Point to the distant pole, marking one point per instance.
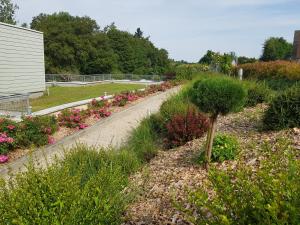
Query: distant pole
point(240, 73)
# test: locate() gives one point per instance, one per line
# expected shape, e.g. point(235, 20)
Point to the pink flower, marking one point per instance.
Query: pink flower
point(3, 158)
point(11, 127)
point(82, 126)
point(9, 140)
point(51, 140)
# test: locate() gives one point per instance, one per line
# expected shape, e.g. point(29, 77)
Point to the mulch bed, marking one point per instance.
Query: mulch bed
point(170, 176)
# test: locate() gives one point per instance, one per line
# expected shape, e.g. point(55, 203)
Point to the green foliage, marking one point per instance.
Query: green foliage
point(143, 141)
point(258, 92)
point(35, 130)
point(270, 194)
point(225, 147)
point(218, 95)
point(244, 60)
point(284, 110)
point(8, 11)
point(189, 71)
point(218, 62)
point(276, 49)
point(77, 45)
point(86, 188)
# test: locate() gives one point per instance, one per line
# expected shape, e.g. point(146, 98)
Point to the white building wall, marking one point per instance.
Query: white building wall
point(22, 67)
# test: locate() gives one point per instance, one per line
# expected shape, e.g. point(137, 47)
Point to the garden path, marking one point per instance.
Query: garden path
point(111, 131)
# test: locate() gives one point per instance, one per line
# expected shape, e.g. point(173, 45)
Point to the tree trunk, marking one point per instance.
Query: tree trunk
point(209, 141)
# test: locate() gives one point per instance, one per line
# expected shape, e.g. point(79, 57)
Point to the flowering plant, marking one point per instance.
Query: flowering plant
point(6, 143)
point(72, 118)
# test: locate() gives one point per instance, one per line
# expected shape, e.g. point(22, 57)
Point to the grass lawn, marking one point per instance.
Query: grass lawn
point(62, 95)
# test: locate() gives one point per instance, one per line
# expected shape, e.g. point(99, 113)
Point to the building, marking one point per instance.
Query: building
point(296, 47)
point(22, 66)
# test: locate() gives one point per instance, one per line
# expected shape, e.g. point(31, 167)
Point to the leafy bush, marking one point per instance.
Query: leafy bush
point(225, 147)
point(8, 135)
point(36, 130)
point(185, 127)
point(190, 71)
point(218, 95)
point(142, 141)
point(284, 110)
point(258, 92)
point(72, 118)
point(274, 70)
point(268, 194)
point(122, 99)
point(86, 188)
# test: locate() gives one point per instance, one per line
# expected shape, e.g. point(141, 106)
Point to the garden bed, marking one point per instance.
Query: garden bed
point(78, 118)
point(170, 177)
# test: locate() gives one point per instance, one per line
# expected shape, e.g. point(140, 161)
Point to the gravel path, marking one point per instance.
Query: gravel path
point(111, 131)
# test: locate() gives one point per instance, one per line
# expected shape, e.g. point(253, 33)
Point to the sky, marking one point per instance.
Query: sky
point(186, 29)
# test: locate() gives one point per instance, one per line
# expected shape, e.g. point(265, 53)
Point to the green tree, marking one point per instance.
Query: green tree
point(244, 60)
point(276, 49)
point(217, 96)
point(7, 11)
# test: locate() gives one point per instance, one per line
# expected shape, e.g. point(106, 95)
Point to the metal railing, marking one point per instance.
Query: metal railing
point(100, 77)
point(14, 103)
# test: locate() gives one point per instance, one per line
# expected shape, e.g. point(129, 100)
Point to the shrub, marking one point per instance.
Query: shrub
point(217, 95)
point(284, 110)
point(122, 99)
point(36, 130)
point(225, 147)
point(8, 135)
point(268, 194)
point(258, 92)
point(274, 70)
point(185, 127)
point(143, 141)
point(86, 188)
point(72, 118)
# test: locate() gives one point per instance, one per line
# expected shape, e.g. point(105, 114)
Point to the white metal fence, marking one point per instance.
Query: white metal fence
point(101, 77)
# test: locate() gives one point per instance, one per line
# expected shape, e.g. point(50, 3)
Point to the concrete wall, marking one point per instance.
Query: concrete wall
point(22, 67)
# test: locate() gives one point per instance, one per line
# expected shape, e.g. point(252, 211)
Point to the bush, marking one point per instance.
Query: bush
point(274, 70)
point(284, 110)
point(72, 118)
point(258, 92)
point(268, 194)
point(36, 130)
point(225, 147)
point(8, 135)
point(185, 127)
point(143, 141)
point(86, 188)
point(217, 95)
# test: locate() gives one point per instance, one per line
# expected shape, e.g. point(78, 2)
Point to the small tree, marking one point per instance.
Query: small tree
point(217, 96)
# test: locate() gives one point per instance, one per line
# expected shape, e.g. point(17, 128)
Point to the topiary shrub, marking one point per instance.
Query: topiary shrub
point(218, 95)
point(185, 127)
point(258, 92)
point(284, 110)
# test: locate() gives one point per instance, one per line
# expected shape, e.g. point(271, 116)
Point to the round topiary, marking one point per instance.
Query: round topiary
point(284, 110)
point(217, 95)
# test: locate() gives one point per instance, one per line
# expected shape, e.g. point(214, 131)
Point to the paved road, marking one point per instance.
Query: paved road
point(111, 131)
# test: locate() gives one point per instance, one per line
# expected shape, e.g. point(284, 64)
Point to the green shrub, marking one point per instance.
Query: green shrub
point(258, 92)
point(284, 110)
point(217, 95)
point(225, 147)
point(143, 141)
point(269, 194)
point(86, 188)
point(35, 130)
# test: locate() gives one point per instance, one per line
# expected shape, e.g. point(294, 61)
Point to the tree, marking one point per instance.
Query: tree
point(244, 60)
point(138, 33)
point(210, 57)
point(276, 49)
point(217, 96)
point(7, 11)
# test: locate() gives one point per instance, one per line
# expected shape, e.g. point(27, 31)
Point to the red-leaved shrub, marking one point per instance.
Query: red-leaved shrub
point(184, 128)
